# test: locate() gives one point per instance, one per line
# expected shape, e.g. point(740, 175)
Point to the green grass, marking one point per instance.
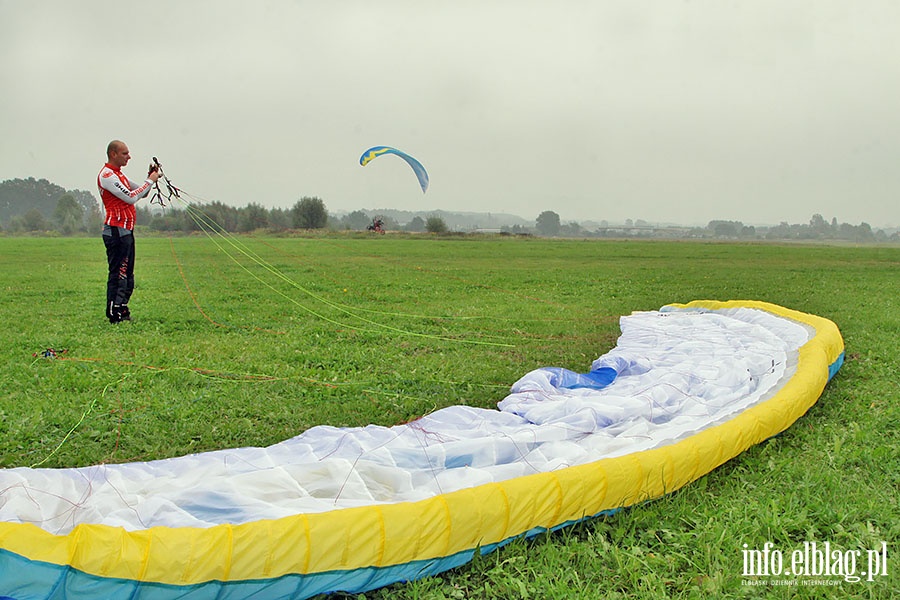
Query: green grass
point(362, 329)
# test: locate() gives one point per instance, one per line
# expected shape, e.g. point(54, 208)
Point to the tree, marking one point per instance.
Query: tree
point(93, 221)
point(309, 213)
point(782, 231)
point(173, 220)
point(818, 225)
point(547, 223)
point(864, 233)
point(280, 219)
point(357, 220)
point(34, 220)
point(571, 229)
point(68, 215)
point(435, 225)
point(417, 225)
point(218, 216)
point(143, 214)
point(725, 229)
point(253, 217)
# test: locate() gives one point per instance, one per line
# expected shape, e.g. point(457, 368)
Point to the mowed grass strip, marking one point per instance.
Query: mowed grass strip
point(251, 340)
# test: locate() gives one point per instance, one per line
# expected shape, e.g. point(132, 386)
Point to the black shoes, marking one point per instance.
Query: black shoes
point(119, 313)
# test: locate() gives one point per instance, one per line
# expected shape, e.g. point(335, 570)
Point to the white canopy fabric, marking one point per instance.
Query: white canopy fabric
point(676, 371)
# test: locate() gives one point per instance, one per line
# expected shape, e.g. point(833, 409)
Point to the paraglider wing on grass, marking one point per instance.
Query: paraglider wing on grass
point(686, 388)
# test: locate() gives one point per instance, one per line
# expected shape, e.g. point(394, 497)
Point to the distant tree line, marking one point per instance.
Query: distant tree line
point(38, 205)
point(29, 205)
point(307, 213)
point(548, 224)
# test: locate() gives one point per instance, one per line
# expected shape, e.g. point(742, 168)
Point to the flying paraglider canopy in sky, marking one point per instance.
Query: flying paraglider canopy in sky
point(418, 169)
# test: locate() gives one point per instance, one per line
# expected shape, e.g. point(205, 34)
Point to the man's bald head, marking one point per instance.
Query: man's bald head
point(113, 147)
point(117, 153)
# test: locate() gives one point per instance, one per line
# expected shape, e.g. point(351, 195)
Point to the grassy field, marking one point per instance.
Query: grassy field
point(252, 340)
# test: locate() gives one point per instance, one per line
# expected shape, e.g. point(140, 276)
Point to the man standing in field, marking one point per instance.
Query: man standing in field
point(119, 195)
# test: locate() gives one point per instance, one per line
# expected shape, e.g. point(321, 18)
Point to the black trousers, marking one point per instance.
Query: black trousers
point(120, 283)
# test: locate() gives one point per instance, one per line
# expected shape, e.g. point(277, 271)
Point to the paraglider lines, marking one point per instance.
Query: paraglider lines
point(222, 238)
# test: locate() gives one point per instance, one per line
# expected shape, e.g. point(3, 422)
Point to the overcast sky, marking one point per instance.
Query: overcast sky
point(664, 110)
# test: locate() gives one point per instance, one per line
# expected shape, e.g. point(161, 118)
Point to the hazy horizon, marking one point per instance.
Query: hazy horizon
point(674, 112)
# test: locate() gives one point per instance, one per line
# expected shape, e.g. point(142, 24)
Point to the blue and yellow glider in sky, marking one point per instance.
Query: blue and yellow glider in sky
point(418, 169)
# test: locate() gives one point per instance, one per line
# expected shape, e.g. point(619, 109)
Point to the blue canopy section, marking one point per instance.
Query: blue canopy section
point(418, 169)
point(595, 380)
